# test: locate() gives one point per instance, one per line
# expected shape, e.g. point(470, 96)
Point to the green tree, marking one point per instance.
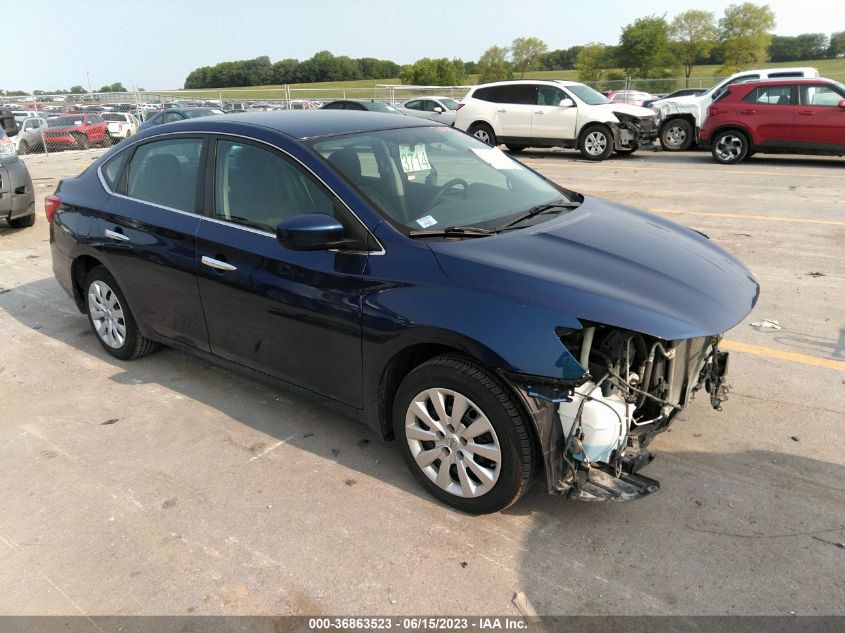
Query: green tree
point(693, 35)
point(493, 65)
point(590, 62)
point(433, 72)
point(525, 53)
point(744, 33)
point(644, 47)
point(77, 90)
point(837, 45)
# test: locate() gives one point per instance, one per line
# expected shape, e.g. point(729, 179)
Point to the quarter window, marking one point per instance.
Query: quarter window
point(113, 169)
point(166, 172)
point(260, 189)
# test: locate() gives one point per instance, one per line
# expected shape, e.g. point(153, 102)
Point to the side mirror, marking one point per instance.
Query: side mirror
point(841, 104)
point(566, 103)
point(310, 232)
point(438, 109)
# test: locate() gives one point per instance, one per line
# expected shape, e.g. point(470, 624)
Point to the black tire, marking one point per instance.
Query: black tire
point(24, 148)
point(729, 147)
point(596, 143)
point(515, 148)
point(81, 141)
point(629, 150)
point(135, 344)
point(676, 135)
point(492, 399)
point(483, 133)
point(22, 223)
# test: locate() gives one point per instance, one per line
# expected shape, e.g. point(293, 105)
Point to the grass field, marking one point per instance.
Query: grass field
point(702, 76)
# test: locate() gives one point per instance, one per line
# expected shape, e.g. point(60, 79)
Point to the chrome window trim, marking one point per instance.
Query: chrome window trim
point(380, 251)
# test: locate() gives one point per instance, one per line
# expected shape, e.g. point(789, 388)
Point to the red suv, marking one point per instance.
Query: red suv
point(76, 131)
point(795, 116)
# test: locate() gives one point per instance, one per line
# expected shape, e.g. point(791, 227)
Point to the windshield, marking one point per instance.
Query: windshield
point(377, 106)
point(587, 94)
point(198, 112)
point(450, 103)
point(436, 177)
point(64, 121)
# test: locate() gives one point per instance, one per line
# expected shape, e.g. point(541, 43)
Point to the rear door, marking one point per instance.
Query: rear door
point(148, 234)
point(769, 112)
point(551, 121)
point(513, 115)
point(820, 122)
point(295, 315)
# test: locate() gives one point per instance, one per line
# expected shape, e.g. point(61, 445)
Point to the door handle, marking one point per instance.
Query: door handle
point(217, 264)
point(538, 112)
point(747, 111)
point(116, 235)
point(501, 111)
point(807, 113)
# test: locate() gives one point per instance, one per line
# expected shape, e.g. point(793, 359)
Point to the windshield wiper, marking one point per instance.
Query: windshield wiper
point(537, 210)
point(453, 231)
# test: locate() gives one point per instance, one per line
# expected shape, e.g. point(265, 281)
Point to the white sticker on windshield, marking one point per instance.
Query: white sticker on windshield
point(413, 158)
point(427, 221)
point(496, 158)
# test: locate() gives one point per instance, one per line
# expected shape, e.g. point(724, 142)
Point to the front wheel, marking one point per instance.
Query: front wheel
point(596, 143)
point(111, 319)
point(729, 147)
point(463, 436)
point(514, 148)
point(22, 223)
point(676, 135)
point(483, 133)
point(24, 148)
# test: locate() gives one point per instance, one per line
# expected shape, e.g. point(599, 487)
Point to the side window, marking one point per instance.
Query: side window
point(414, 105)
point(550, 96)
point(770, 95)
point(495, 94)
point(334, 105)
point(522, 94)
point(166, 173)
point(113, 168)
point(259, 189)
point(430, 105)
point(170, 117)
point(820, 96)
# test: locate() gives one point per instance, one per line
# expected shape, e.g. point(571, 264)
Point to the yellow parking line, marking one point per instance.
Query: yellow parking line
point(742, 216)
point(768, 352)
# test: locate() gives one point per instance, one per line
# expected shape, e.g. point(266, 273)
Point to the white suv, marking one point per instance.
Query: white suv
point(554, 113)
point(681, 118)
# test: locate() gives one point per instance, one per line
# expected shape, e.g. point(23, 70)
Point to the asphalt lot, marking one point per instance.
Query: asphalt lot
point(169, 486)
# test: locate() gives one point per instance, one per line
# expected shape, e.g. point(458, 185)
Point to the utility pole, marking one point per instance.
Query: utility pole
point(89, 80)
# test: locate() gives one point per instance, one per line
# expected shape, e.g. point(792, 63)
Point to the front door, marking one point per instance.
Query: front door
point(295, 315)
point(819, 121)
point(550, 120)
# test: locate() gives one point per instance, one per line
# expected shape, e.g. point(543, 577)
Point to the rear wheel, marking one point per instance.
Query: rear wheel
point(515, 148)
point(676, 135)
point(24, 148)
point(111, 319)
point(729, 147)
point(463, 436)
point(596, 143)
point(22, 223)
point(483, 133)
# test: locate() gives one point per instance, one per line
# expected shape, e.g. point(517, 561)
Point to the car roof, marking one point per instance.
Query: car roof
point(305, 124)
point(559, 82)
point(782, 80)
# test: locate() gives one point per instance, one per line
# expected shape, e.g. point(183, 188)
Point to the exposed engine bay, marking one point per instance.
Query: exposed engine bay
point(632, 131)
point(598, 430)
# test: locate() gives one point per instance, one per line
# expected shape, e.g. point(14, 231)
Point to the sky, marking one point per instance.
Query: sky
point(156, 45)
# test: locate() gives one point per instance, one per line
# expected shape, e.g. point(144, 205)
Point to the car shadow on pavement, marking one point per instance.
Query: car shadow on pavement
point(289, 417)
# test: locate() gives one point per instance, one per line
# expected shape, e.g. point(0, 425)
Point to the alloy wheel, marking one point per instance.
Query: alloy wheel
point(595, 143)
point(729, 147)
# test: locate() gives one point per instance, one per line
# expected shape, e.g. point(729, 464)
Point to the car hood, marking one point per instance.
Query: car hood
point(689, 99)
point(610, 264)
point(627, 108)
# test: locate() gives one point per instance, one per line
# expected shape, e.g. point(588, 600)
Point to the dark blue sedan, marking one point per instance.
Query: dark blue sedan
point(494, 323)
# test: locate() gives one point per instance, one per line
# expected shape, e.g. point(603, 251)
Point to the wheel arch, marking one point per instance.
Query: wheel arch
point(733, 127)
point(79, 269)
point(686, 116)
point(608, 125)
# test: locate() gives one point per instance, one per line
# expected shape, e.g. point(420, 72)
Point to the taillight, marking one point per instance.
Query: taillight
point(51, 205)
point(712, 111)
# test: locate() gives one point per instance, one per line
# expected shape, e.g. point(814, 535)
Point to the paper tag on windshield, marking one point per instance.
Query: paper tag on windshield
point(413, 158)
point(496, 158)
point(427, 221)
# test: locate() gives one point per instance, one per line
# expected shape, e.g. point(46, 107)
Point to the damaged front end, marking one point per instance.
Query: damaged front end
point(632, 132)
point(595, 430)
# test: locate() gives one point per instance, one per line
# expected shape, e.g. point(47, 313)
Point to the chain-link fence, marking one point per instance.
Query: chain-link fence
point(52, 123)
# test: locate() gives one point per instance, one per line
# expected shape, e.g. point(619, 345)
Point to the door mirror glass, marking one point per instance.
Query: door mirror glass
point(567, 103)
point(438, 109)
point(310, 232)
